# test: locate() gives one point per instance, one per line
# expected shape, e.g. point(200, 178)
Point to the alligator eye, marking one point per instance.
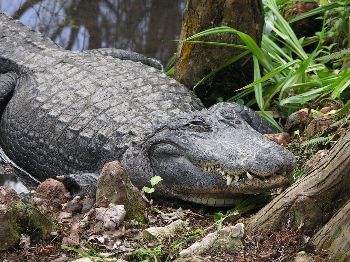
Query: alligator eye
point(229, 115)
point(198, 126)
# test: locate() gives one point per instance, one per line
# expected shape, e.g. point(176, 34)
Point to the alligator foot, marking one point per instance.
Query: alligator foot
point(8, 82)
point(80, 184)
point(254, 120)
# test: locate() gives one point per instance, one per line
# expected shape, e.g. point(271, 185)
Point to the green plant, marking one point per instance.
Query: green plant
point(145, 254)
point(318, 140)
point(286, 77)
point(154, 181)
point(90, 252)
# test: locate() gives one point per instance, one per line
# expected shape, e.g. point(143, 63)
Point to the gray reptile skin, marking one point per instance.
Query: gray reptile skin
point(71, 112)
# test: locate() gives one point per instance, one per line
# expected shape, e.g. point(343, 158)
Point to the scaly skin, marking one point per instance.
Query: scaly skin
point(71, 112)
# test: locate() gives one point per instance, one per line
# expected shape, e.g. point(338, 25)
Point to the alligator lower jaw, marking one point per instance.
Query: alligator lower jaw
point(211, 201)
point(231, 195)
point(234, 176)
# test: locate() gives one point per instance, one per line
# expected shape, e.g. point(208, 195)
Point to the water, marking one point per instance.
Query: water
point(149, 27)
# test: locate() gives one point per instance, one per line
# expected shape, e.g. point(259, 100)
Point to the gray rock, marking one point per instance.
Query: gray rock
point(158, 233)
point(227, 239)
point(112, 216)
point(302, 256)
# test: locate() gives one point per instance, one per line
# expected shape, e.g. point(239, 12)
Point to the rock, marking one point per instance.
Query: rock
point(8, 196)
point(18, 218)
point(158, 233)
point(84, 259)
point(61, 258)
point(111, 216)
point(227, 239)
point(192, 259)
point(297, 120)
point(24, 242)
point(172, 216)
point(74, 206)
point(53, 193)
point(73, 240)
point(114, 186)
point(64, 215)
point(279, 138)
point(88, 203)
point(9, 231)
point(318, 126)
point(302, 256)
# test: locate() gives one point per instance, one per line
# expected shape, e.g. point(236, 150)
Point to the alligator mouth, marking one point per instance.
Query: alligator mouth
point(236, 177)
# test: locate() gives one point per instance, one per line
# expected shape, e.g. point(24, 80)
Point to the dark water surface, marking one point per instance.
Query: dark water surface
point(144, 26)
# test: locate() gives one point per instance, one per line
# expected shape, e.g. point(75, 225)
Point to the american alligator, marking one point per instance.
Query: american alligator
point(67, 112)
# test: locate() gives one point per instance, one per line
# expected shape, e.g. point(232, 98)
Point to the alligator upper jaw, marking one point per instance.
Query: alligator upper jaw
point(244, 177)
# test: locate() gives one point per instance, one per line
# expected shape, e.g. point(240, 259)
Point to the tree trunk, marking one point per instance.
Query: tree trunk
point(194, 61)
point(312, 200)
point(335, 235)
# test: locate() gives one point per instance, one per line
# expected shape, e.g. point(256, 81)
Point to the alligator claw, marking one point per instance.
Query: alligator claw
point(229, 180)
point(250, 177)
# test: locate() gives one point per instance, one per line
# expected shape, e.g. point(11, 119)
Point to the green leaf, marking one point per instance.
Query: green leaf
point(316, 11)
point(148, 190)
point(341, 85)
point(271, 74)
point(226, 64)
point(155, 180)
point(270, 118)
point(218, 216)
point(304, 97)
point(258, 87)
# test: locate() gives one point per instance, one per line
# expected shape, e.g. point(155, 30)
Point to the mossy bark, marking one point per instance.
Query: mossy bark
point(335, 235)
point(194, 61)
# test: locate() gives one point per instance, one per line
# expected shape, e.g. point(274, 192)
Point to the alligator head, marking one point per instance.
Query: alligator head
point(210, 157)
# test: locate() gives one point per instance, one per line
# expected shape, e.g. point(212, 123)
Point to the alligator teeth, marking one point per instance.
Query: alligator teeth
point(229, 180)
point(236, 178)
point(250, 177)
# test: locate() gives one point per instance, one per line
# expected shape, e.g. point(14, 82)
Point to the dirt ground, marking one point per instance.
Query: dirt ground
point(271, 246)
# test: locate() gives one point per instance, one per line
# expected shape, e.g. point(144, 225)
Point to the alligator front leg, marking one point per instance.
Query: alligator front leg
point(8, 83)
point(128, 55)
point(83, 184)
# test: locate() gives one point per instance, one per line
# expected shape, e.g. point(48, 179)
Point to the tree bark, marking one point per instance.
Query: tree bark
point(312, 200)
point(335, 235)
point(194, 61)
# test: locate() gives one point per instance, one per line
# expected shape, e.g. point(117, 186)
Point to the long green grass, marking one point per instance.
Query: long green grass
point(285, 75)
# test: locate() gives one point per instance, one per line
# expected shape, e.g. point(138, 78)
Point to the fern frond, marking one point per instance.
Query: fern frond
point(337, 55)
point(317, 141)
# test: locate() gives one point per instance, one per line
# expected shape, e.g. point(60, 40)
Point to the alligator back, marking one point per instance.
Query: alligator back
point(75, 111)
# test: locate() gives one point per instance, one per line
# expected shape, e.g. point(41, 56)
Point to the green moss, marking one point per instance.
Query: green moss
point(33, 222)
point(10, 235)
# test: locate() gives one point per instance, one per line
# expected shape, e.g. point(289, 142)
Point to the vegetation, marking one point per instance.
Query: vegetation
point(286, 76)
point(154, 181)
